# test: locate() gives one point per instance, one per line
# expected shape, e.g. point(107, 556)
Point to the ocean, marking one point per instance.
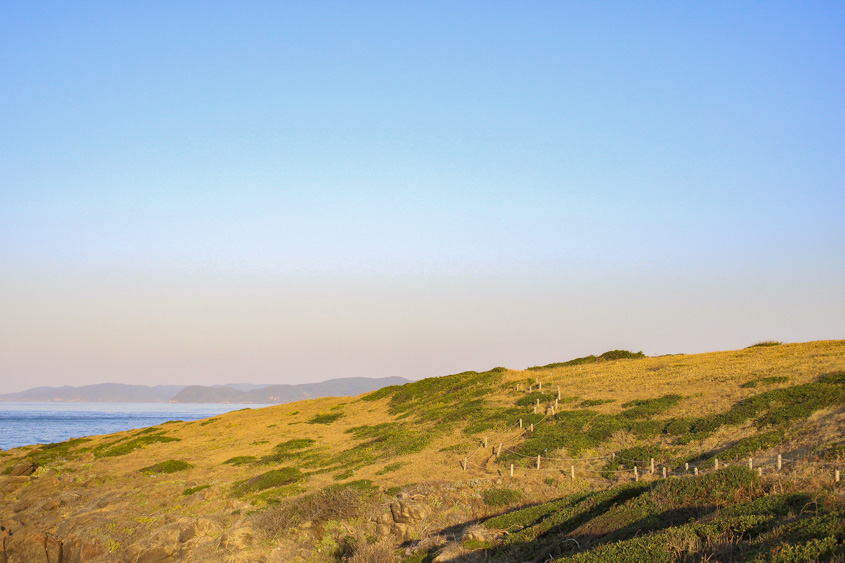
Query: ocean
point(22, 424)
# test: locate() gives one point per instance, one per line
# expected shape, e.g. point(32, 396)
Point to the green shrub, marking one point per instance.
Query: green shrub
point(596, 402)
point(209, 421)
point(501, 496)
point(389, 468)
point(296, 449)
point(241, 460)
point(191, 490)
point(48, 453)
point(650, 407)
point(169, 466)
point(273, 478)
point(531, 399)
point(765, 344)
point(606, 357)
point(753, 444)
point(326, 418)
point(113, 449)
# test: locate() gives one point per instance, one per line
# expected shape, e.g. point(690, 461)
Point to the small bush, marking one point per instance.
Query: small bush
point(326, 418)
point(606, 357)
point(501, 496)
point(765, 344)
point(771, 380)
point(389, 468)
point(532, 398)
point(596, 402)
point(273, 478)
point(191, 490)
point(241, 460)
point(650, 407)
point(112, 450)
point(169, 466)
point(753, 444)
point(209, 421)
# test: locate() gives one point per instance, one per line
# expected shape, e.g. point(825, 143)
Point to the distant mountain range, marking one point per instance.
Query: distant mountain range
point(234, 393)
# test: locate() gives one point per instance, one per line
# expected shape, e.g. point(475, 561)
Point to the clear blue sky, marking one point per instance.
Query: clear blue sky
point(211, 192)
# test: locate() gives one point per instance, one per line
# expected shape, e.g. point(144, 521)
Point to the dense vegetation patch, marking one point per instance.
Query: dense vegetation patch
point(273, 478)
point(502, 496)
point(112, 449)
point(169, 466)
point(49, 453)
point(191, 490)
point(241, 460)
point(771, 380)
point(326, 418)
point(728, 516)
point(296, 449)
point(606, 357)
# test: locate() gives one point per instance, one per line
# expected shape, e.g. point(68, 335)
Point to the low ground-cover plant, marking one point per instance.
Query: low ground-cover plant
point(753, 444)
point(191, 490)
point(771, 380)
point(324, 418)
point(606, 357)
point(272, 478)
point(501, 496)
point(169, 466)
point(336, 502)
point(117, 449)
point(241, 460)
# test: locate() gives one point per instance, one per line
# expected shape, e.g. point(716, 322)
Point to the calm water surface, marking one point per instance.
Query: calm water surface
point(42, 423)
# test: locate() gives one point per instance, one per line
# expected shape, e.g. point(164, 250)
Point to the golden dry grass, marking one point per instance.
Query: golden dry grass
point(709, 382)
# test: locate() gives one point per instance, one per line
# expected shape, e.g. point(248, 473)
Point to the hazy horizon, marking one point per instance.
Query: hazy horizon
point(198, 193)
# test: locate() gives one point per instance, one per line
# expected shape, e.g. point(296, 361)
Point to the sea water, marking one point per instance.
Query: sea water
point(22, 424)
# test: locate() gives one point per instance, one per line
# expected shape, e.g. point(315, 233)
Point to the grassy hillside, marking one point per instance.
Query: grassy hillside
point(422, 472)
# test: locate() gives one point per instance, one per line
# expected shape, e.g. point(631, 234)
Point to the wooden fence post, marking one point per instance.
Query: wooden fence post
point(695, 470)
point(511, 470)
point(652, 465)
point(716, 463)
point(686, 467)
point(751, 463)
point(572, 472)
point(485, 442)
point(499, 450)
point(532, 427)
point(836, 476)
point(520, 423)
point(464, 464)
point(760, 471)
point(538, 462)
point(636, 474)
point(780, 462)
point(558, 392)
point(664, 471)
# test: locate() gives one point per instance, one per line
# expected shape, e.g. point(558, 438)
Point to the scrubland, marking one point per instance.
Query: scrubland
point(724, 456)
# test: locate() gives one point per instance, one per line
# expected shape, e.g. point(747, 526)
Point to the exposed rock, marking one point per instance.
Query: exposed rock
point(451, 552)
point(238, 539)
point(137, 554)
point(480, 533)
point(9, 484)
point(76, 550)
point(29, 546)
point(202, 527)
point(405, 512)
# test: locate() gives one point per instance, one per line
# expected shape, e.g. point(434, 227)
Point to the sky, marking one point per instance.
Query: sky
point(289, 192)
